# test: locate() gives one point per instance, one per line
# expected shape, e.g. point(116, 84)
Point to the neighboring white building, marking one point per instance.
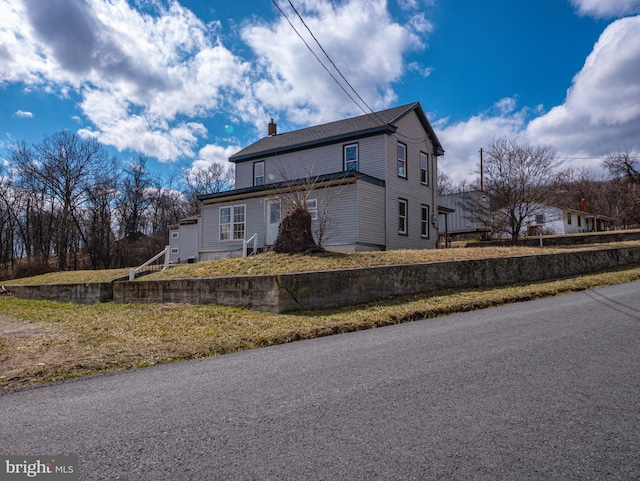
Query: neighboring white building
point(374, 178)
point(559, 220)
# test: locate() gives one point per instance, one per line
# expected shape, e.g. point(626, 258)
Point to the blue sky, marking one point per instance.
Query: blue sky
point(189, 83)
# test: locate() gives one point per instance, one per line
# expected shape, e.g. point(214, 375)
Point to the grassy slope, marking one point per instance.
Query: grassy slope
point(51, 341)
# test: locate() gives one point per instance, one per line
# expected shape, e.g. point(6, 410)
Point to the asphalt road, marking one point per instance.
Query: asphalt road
point(544, 390)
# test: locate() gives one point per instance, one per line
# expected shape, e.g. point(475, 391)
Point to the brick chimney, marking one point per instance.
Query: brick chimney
point(583, 204)
point(273, 128)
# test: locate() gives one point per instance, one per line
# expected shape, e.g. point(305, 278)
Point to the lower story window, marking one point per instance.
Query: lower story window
point(232, 222)
point(424, 221)
point(312, 208)
point(403, 207)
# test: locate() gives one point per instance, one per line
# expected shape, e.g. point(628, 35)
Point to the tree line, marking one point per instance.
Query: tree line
point(66, 204)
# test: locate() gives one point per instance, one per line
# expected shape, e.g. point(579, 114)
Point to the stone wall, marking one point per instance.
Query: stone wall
point(85, 293)
point(316, 290)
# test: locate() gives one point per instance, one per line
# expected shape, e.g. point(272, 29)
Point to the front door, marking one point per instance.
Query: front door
point(273, 220)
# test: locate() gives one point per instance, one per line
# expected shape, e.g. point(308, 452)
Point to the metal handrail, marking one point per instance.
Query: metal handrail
point(165, 253)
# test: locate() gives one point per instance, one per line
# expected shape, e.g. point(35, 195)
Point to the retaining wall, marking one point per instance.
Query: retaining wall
point(565, 239)
point(316, 290)
point(86, 293)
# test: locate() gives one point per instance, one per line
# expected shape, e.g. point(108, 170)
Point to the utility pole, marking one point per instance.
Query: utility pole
point(481, 174)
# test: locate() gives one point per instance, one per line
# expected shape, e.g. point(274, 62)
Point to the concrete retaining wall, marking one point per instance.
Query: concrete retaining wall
point(566, 240)
point(87, 293)
point(316, 290)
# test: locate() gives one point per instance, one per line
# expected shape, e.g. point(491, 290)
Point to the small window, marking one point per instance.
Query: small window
point(569, 218)
point(402, 216)
point(174, 250)
point(424, 168)
point(175, 235)
point(312, 208)
point(351, 157)
point(424, 222)
point(258, 173)
point(579, 221)
point(402, 160)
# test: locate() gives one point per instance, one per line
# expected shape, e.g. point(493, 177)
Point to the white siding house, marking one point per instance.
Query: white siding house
point(373, 179)
point(559, 220)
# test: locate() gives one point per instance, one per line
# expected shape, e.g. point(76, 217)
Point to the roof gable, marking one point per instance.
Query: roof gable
point(338, 131)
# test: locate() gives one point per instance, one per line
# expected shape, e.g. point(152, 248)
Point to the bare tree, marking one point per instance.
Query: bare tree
point(624, 168)
point(623, 164)
point(64, 167)
point(295, 234)
point(134, 200)
point(198, 181)
point(516, 177)
point(445, 184)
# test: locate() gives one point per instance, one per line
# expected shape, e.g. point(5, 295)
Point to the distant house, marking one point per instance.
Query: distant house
point(558, 220)
point(372, 180)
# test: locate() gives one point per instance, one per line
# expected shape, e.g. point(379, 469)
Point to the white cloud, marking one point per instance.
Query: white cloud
point(601, 112)
point(142, 76)
point(295, 82)
point(214, 154)
point(607, 8)
point(462, 141)
point(24, 115)
point(147, 80)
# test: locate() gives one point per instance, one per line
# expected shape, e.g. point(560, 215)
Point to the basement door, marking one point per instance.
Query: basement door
point(273, 220)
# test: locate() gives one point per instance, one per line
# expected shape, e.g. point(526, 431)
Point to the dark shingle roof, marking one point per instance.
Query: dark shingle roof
point(341, 130)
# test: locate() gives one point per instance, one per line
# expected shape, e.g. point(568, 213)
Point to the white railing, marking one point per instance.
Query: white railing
point(245, 244)
point(165, 253)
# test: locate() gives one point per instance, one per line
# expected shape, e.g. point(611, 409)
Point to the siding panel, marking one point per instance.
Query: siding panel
point(410, 133)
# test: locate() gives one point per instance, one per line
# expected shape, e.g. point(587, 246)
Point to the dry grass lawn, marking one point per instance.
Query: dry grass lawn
point(45, 341)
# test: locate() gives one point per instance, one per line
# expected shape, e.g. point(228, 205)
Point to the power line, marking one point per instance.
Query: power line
point(333, 63)
point(323, 65)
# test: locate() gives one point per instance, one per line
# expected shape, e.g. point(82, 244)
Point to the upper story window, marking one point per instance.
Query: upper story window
point(424, 168)
point(351, 157)
point(232, 222)
point(402, 160)
point(258, 173)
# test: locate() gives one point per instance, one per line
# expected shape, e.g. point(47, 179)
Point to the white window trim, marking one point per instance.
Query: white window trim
point(255, 173)
point(402, 162)
point(232, 223)
point(174, 250)
point(344, 157)
point(425, 169)
point(175, 235)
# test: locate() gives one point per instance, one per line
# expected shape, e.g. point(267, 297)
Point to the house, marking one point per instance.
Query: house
point(371, 184)
point(560, 220)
